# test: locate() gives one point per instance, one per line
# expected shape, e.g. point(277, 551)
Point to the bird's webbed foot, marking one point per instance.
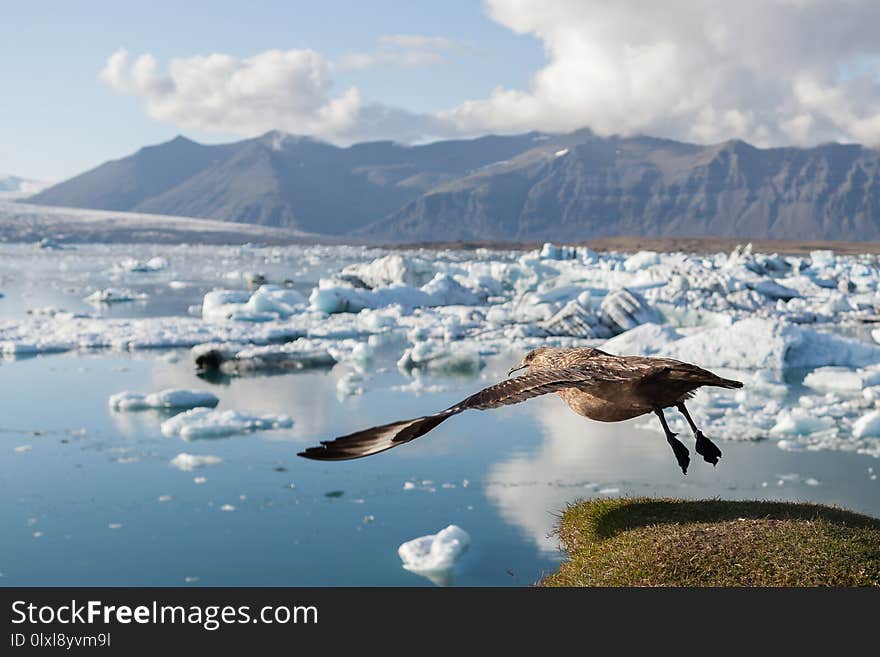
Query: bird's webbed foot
point(682, 455)
point(707, 449)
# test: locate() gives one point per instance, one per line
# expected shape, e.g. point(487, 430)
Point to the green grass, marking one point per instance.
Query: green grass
point(672, 542)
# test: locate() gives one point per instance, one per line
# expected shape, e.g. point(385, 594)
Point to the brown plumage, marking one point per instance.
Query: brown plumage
point(595, 384)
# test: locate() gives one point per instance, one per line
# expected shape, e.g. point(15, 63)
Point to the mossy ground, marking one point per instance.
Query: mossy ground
point(673, 542)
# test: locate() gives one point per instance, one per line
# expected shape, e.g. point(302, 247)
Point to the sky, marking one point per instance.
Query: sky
point(94, 80)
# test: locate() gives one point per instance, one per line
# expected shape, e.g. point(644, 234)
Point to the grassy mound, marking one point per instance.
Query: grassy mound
point(671, 542)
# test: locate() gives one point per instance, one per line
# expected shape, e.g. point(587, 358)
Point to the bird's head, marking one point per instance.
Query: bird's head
point(539, 358)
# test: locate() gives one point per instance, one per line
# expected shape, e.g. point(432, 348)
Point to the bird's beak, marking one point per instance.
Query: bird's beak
point(516, 369)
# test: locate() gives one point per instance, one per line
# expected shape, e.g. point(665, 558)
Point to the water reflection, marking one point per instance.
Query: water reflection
point(87, 468)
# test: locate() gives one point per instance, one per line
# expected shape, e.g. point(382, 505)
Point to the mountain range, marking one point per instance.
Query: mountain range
point(534, 186)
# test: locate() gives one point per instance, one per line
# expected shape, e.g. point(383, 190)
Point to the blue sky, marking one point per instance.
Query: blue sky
point(58, 118)
point(89, 81)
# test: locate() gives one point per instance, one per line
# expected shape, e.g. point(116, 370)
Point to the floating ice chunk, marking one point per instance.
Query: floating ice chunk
point(361, 354)
point(752, 343)
point(220, 305)
point(440, 358)
point(446, 291)
point(332, 297)
point(773, 290)
point(822, 258)
point(136, 266)
point(290, 356)
point(114, 295)
point(841, 379)
point(554, 252)
point(837, 303)
point(171, 398)
point(392, 269)
point(867, 426)
point(434, 554)
point(646, 340)
point(280, 301)
point(189, 462)
point(208, 423)
point(799, 422)
point(625, 309)
point(576, 320)
point(349, 385)
point(18, 348)
point(641, 260)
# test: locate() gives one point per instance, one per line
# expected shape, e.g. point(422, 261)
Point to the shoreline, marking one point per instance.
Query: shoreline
point(22, 223)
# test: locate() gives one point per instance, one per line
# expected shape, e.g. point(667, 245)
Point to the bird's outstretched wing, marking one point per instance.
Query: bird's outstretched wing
point(511, 391)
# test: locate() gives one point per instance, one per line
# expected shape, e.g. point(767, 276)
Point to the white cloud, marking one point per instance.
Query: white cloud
point(771, 71)
point(289, 90)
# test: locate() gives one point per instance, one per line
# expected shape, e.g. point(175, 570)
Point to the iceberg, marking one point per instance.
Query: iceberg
point(171, 398)
point(267, 303)
point(625, 309)
point(240, 360)
point(208, 423)
point(114, 295)
point(747, 344)
point(338, 297)
point(867, 426)
point(434, 555)
point(393, 269)
point(189, 462)
point(440, 358)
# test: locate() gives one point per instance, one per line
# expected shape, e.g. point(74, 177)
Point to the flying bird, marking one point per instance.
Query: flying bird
point(593, 383)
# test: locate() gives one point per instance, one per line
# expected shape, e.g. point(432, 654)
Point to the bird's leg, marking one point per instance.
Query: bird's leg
point(681, 452)
point(705, 447)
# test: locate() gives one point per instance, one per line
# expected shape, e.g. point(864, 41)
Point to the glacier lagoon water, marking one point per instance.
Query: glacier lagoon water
point(89, 496)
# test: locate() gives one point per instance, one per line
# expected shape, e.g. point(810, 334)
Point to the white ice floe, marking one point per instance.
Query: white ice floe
point(171, 398)
point(434, 554)
point(189, 462)
point(53, 334)
point(842, 379)
point(268, 302)
point(641, 260)
point(134, 265)
point(114, 295)
point(625, 309)
point(208, 423)
point(238, 359)
point(799, 422)
point(339, 296)
point(867, 426)
point(747, 344)
point(349, 385)
point(393, 269)
point(440, 359)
